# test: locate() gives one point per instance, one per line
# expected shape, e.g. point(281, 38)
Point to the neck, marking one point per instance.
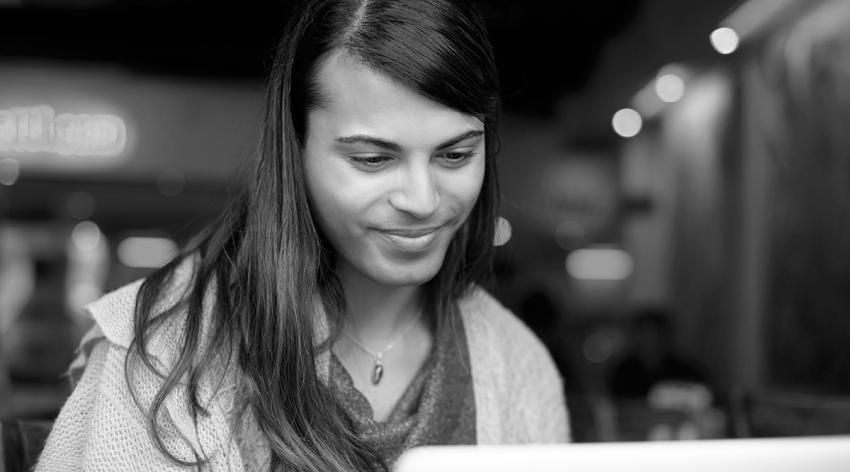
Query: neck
point(377, 312)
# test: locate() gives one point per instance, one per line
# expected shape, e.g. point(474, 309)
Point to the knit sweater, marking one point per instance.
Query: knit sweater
point(518, 393)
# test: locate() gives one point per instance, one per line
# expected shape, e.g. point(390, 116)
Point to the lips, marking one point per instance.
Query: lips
point(410, 239)
point(410, 233)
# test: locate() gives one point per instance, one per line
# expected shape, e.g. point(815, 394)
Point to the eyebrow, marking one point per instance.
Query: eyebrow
point(395, 147)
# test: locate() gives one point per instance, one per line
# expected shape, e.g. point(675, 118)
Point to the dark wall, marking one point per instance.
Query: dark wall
point(805, 70)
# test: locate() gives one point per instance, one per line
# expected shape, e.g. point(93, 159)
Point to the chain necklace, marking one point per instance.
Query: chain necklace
point(378, 368)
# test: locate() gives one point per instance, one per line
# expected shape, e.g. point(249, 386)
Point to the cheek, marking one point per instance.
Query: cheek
point(330, 203)
point(340, 202)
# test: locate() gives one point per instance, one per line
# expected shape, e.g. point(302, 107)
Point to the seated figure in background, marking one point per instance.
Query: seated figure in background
point(651, 358)
point(660, 393)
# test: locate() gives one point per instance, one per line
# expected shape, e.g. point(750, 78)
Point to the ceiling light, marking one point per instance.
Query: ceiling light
point(627, 122)
point(670, 87)
point(146, 252)
point(599, 263)
point(724, 40)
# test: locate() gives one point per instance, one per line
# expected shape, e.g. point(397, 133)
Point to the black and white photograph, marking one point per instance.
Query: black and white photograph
point(424, 235)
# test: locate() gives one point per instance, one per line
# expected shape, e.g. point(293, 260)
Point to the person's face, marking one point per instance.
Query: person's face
point(390, 175)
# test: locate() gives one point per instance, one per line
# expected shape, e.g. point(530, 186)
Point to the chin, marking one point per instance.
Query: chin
point(407, 274)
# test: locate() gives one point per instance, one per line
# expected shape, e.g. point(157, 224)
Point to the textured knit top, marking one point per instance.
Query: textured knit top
point(518, 394)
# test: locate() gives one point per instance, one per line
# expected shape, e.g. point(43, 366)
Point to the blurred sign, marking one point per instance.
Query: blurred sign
point(39, 129)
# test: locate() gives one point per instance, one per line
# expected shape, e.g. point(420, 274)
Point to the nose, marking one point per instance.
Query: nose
point(417, 193)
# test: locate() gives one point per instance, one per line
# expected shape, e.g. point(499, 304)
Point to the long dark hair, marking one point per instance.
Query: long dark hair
point(266, 257)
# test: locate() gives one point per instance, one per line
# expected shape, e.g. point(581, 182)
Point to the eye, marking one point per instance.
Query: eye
point(370, 162)
point(456, 158)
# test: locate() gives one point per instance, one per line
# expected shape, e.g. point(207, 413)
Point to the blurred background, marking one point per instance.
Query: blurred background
point(676, 179)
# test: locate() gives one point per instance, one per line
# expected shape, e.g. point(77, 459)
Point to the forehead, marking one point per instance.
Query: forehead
point(359, 100)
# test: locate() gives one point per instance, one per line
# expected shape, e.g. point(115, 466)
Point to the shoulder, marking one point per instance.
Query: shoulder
point(112, 393)
point(114, 313)
point(98, 418)
point(489, 323)
point(104, 423)
point(519, 392)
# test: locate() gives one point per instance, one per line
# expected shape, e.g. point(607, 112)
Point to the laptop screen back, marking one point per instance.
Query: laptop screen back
point(809, 454)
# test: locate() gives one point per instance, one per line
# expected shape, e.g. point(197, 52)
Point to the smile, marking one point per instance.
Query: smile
point(410, 240)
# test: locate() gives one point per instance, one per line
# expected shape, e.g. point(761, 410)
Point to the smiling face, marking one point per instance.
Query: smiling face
point(390, 174)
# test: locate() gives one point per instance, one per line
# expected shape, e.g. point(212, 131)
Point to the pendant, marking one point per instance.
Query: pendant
point(377, 372)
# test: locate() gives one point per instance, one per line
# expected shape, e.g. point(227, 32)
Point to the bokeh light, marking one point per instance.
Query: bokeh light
point(724, 40)
point(599, 263)
point(569, 234)
point(10, 170)
point(670, 88)
point(598, 347)
point(146, 252)
point(86, 235)
point(80, 205)
point(627, 122)
point(171, 182)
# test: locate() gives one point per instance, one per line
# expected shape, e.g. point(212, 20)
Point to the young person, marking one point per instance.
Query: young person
point(332, 318)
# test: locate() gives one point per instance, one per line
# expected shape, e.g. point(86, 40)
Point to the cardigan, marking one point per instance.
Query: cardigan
point(519, 395)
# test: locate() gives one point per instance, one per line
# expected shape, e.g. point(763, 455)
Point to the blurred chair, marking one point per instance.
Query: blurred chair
point(673, 410)
point(636, 422)
point(592, 417)
point(21, 444)
point(777, 413)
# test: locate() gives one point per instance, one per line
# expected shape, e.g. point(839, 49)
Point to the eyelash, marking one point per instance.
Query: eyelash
point(369, 161)
point(375, 162)
point(462, 156)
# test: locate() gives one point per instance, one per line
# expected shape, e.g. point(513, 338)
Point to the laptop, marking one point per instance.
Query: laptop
point(809, 454)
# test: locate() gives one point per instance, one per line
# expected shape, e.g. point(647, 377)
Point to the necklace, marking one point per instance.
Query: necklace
point(378, 368)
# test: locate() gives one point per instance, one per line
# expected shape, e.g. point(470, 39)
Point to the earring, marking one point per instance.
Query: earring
point(503, 231)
